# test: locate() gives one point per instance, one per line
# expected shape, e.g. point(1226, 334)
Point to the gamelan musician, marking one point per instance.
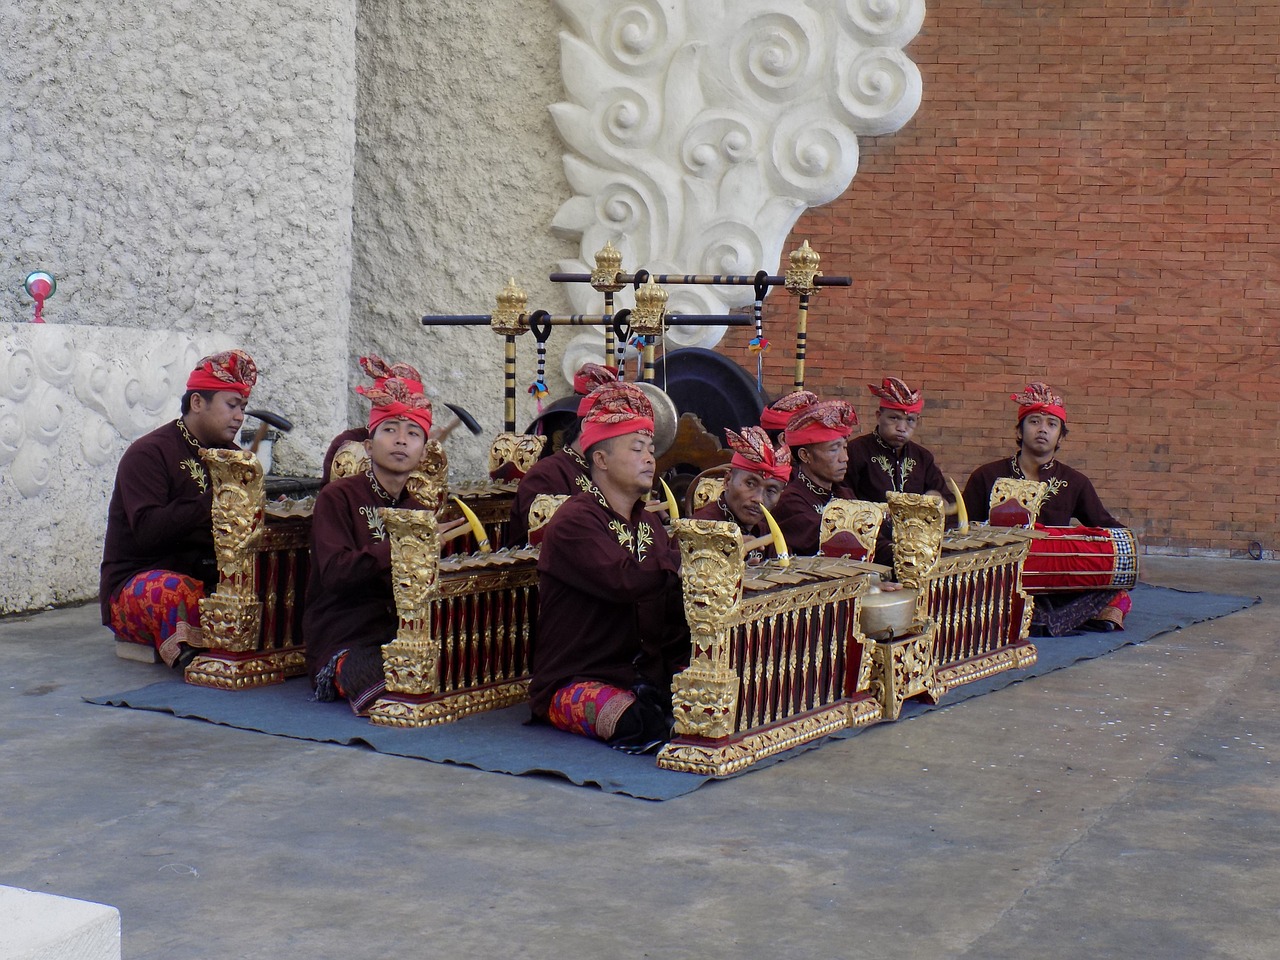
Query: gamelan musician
point(158, 559)
point(758, 473)
point(818, 436)
point(611, 627)
point(380, 371)
point(774, 418)
point(1041, 427)
point(350, 609)
point(888, 459)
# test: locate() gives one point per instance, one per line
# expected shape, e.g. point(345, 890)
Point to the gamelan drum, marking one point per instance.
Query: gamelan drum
point(1081, 558)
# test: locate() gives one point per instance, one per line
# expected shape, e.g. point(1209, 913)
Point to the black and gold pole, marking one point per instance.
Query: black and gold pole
point(802, 280)
point(510, 321)
point(647, 322)
point(605, 278)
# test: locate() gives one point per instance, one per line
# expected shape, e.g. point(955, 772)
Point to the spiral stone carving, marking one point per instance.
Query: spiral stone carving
point(689, 123)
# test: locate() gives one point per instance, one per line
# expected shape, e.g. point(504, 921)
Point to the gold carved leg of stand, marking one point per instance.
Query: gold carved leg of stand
point(905, 668)
point(409, 711)
point(223, 671)
point(709, 758)
point(1006, 658)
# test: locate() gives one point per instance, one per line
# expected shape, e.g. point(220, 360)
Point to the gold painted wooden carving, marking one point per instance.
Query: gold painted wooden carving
point(706, 489)
point(905, 667)
point(917, 534)
point(410, 662)
point(509, 317)
point(520, 450)
point(231, 617)
point(803, 270)
point(861, 518)
point(650, 310)
point(604, 277)
point(350, 460)
point(543, 509)
point(429, 484)
point(705, 695)
point(1030, 494)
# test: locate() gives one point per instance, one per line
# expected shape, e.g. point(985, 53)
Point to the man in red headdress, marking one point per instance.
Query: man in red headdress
point(158, 559)
point(818, 437)
point(1041, 428)
point(888, 459)
point(380, 371)
point(611, 627)
point(774, 418)
point(564, 472)
point(350, 610)
point(758, 473)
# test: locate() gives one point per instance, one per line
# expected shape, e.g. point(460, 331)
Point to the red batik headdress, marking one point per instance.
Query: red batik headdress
point(777, 414)
point(825, 420)
point(1039, 397)
point(752, 451)
point(896, 395)
point(232, 370)
point(616, 409)
point(398, 399)
point(381, 371)
point(588, 378)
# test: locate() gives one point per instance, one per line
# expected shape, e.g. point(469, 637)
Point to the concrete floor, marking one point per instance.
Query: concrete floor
point(1124, 807)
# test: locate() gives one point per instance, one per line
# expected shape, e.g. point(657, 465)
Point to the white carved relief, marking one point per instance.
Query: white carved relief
point(71, 400)
point(700, 130)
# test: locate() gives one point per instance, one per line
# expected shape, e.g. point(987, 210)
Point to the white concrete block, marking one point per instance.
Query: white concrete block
point(40, 926)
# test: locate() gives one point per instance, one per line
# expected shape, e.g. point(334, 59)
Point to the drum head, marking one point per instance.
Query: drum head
point(719, 391)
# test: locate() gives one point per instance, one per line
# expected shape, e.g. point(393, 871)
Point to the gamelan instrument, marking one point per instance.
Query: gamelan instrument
point(1070, 559)
point(777, 658)
point(969, 584)
point(464, 642)
point(252, 621)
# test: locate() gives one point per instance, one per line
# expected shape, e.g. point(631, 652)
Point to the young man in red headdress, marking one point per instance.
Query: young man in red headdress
point(888, 459)
point(564, 472)
point(158, 559)
point(1041, 428)
point(611, 627)
point(757, 476)
point(381, 372)
point(818, 437)
point(350, 609)
point(774, 418)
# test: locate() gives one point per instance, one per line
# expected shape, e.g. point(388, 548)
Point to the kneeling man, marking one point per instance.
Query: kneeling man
point(611, 627)
point(351, 610)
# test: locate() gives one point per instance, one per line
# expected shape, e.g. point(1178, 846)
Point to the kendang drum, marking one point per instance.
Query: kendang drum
point(1072, 559)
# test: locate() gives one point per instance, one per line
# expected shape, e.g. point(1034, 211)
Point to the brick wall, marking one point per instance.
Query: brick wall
point(1087, 196)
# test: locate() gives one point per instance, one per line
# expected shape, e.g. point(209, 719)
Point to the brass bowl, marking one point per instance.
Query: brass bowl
point(887, 615)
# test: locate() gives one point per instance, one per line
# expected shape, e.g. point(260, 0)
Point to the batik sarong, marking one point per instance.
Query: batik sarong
point(589, 708)
point(161, 609)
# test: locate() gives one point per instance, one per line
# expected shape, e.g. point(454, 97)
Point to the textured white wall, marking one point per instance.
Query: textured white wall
point(188, 167)
point(184, 168)
point(458, 177)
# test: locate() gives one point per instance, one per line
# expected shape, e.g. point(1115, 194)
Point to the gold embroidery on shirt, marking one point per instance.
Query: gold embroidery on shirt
point(900, 482)
point(644, 540)
point(376, 530)
point(584, 483)
point(1055, 484)
point(195, 469)
point(622, 533)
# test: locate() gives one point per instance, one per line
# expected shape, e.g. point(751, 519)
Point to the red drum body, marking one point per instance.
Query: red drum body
point(1073, 559)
